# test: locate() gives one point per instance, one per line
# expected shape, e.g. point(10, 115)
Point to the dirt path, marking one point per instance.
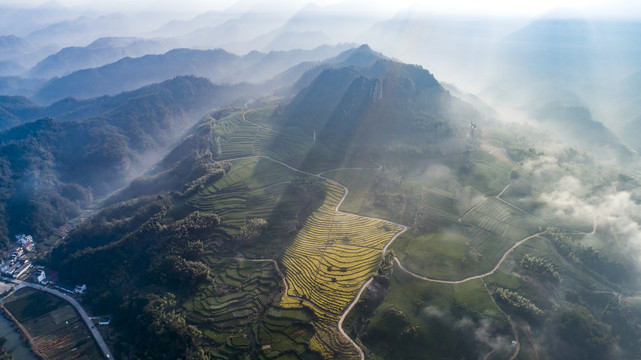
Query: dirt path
point(338, 205)
point(379, 167)
point(494, 270)
point(515, 332)
point(76, 305)
point(245, 191)
point(90, 326)
point(262, 126)
point(404, 228)
point(31, 340)
point(502, 191)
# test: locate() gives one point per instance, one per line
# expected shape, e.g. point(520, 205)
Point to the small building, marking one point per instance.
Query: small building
point(40, 276)
point(28, 246)
point(25, 241)
point(66, 287)
point(104, 321)
point(12, 269)
point(22, 269)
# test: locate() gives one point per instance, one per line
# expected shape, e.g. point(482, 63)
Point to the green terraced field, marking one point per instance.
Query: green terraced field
point(254, 135)
point(335, 253)
point(502, 220)
point(239, 304)
point(427, 316)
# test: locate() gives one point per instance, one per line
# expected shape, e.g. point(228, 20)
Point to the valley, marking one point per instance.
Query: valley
point(331, 180)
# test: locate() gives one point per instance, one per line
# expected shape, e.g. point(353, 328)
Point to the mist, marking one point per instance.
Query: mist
point(503, 136)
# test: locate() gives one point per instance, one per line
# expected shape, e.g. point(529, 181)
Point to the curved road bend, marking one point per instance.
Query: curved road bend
point(92, 328)
point(495, 269)
point(404, 228)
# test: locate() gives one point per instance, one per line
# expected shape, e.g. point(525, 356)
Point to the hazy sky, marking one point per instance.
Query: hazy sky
point(624, 8)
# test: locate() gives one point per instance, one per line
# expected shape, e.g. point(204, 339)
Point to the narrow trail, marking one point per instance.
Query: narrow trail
point(535, 346)
point(99, 341)
point(263, 126)
point(502, 191)
point(523, 211)
point(494, 270)
point(509, 319)
point(379, 167)
point(384, 250)
point(282, 276)
point(246, 191)
point(594, 228)
point(338, 205)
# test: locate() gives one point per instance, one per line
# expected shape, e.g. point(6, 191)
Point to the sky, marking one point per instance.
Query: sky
point(587, 8)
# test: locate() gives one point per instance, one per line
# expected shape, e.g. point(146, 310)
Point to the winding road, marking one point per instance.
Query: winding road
point(494, 270)
point(338, 205)
point(90, 326)
point(404, 228)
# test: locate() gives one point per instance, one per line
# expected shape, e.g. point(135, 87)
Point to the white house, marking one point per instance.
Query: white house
point(40, 276)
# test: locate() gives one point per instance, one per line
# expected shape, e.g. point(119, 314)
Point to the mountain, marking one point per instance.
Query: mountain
point(15, 85)
point(15, 110)
point(131, 73)
point(10, 68)
point(557, 51)
point(87, 28)
point(360, 112)
point(21, 20)
point(297, 40)
point(259, 19)
point(217, 65)
point(384, 109)
point(447, 42)
point(312, 26)
point(575, 124)
point(52, 168)
point(182, 27)
point(378, 112)
point(367, 183)
point(305, 73)
point(12, 46)
point(100, 52)
point(339, 21)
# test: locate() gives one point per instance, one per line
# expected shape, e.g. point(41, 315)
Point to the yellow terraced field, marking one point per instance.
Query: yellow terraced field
point(332, 257)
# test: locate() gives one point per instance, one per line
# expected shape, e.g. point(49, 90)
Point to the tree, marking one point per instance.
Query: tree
point(251, 230)
point(578, 335)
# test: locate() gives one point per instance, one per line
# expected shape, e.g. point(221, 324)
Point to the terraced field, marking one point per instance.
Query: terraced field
point(240, 137)
point(489, 173)
point(253, 188)
point(333, 255)
point(502, 220)
point(238, 306)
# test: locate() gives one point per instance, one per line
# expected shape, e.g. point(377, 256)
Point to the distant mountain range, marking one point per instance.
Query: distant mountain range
point(100, 52)
point(352, 98)
point(130, 73)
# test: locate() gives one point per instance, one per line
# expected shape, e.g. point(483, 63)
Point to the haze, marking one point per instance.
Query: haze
point(319, 180)
point(590, 8)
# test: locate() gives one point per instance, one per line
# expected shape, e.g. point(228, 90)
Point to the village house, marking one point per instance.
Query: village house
point(40, 276)
point(26, 242)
